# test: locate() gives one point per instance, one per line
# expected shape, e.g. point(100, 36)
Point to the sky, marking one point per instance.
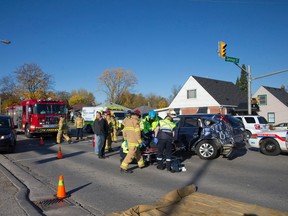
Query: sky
point(162, 41)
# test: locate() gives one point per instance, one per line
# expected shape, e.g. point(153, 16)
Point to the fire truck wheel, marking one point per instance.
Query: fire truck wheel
point(27, 131)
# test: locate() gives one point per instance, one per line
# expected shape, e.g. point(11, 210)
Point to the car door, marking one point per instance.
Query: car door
point(187, 131)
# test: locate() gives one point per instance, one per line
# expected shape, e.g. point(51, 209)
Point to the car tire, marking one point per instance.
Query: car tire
point(270, 147)
point(11, 147)
point(207, 150)
point(249, 134)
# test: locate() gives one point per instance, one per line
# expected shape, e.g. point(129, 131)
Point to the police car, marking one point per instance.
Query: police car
point(270, 142)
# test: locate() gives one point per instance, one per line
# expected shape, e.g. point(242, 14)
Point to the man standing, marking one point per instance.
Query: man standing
point(62, 130)
point(164, 136)
point(79, 124)
point(108, 146)
point(132, 136)
point(100, 129)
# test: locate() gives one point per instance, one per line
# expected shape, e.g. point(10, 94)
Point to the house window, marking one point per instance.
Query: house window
point(191, 93)
point(271, 117)
point(262, 99)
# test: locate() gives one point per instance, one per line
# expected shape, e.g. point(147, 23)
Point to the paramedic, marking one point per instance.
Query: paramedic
point(164, 136)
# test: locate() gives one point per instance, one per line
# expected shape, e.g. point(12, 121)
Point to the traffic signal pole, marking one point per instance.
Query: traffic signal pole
point(249, 79)
point(222, 54)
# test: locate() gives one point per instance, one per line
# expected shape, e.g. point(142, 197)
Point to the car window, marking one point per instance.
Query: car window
point(5, 123)
point(234, 121)
point(250, 119)
point(176, 121)
point(262, 120)
point(190, 122)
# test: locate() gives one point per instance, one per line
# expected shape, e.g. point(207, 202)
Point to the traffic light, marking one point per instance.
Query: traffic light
point(222, 49)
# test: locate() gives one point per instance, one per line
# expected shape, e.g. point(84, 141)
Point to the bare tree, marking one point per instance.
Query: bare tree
point(115, 82)
point(33, 83)
point(174, 91)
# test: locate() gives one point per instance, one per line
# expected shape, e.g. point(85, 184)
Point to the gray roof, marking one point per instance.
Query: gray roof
point(144, 109)
point(225, 93)
point(279, 93)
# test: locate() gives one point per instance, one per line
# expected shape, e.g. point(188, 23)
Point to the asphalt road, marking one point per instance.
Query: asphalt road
point(98, 187)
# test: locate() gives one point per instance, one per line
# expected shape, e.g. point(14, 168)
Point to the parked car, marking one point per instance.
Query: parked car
point(8, 136)
point(270, 142)
point(281, 126)
point(209, 135)
point(254, 124)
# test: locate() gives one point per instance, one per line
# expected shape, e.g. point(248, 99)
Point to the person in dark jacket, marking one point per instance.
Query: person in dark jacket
point(100, 129)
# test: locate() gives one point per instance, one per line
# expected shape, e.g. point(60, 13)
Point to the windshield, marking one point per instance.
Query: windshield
point(120, 116)
point(5, 123)
point(49, 109)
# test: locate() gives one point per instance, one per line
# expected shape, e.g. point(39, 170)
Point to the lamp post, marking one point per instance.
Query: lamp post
point(5, 41)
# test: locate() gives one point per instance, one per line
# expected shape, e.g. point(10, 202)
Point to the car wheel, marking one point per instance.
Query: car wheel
point(248, 134)
point(270, 147)
point(207, 150)
point(27, 131)
point(11, 147)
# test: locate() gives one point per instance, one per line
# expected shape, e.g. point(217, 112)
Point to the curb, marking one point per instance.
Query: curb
point(22, 195)
point(31, 190)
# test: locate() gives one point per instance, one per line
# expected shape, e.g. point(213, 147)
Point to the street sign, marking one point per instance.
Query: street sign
point(232, 59)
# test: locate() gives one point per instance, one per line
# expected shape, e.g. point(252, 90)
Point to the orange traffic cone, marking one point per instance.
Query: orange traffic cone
point(60, 155)
point(61, 193)
point(41, 140)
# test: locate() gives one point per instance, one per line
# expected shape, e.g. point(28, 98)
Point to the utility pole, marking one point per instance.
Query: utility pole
point(222, 53)
point(249, 79)
point(249, 89)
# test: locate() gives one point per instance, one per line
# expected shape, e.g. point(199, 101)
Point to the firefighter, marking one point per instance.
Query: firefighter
point(115, 127)
point(128, 116)
point(132, 136)
point(108, 146)
point(148, 126)
point(164, 136)
point(79, 124)
point(62, 130)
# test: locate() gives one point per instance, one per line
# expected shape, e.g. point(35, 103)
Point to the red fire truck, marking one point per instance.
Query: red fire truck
point(37, 116)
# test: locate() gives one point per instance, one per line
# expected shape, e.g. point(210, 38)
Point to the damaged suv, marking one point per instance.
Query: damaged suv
point(209, 135)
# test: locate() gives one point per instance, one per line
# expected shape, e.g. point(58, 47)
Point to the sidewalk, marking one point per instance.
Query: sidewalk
point(13, 192)
point(15, 196)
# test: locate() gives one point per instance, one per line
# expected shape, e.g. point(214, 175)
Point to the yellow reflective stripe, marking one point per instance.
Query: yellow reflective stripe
point(129, 128)
point(61, 183)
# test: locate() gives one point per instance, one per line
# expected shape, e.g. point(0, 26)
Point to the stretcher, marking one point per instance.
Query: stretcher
point(149, 155)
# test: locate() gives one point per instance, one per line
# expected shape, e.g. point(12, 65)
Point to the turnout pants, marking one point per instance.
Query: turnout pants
point(60, 134)
point(134, 152)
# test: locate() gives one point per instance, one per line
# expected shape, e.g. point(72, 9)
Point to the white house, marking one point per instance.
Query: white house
point(273, 103)
point(203, 95)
